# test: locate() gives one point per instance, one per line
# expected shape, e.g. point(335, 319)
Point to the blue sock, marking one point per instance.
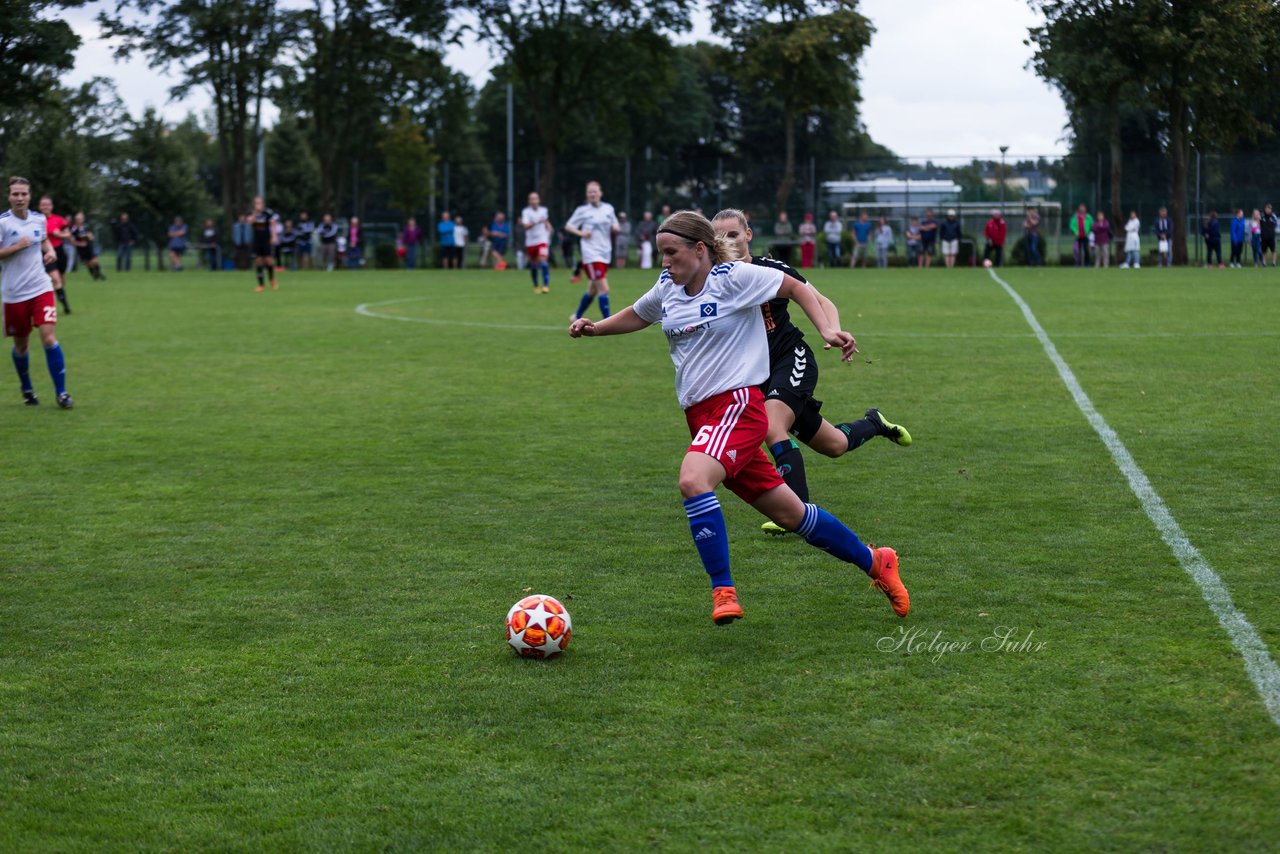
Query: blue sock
point(584, 303)
point(57, 368)
point(706, 523)
point(546, 273)
point(533, 274)
point(23, 365)
point(828, 533)
point(604, 305)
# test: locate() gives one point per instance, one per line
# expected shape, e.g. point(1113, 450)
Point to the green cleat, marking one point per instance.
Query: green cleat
point(775, 530)
point(895, 433)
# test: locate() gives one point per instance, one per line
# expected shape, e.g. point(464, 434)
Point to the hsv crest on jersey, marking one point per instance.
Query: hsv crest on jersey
point(708, 309)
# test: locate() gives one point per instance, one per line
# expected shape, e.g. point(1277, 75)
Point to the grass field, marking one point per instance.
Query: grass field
point(252, 586)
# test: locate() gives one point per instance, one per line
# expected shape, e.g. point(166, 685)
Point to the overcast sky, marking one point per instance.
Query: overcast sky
point(942, 78)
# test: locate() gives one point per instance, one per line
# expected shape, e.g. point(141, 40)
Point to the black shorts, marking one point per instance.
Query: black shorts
point(927, 245)
point(793, 380)
point(59, 264)
point(86, 253)
point(1269, 244)
point(262, 246)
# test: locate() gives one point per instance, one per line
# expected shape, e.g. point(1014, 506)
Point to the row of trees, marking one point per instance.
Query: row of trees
point(363, 85)
point(1167, 76)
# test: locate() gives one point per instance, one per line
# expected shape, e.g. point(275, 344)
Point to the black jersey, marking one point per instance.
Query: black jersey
point(783, 334)
point(261, 222)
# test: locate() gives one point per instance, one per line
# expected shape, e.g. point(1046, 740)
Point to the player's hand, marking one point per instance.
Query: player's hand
point(580, 327)
point(848, 346)
point(50, 256)
point(586, 232)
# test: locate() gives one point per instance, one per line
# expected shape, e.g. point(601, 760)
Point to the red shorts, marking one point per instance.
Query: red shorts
point(595, 270)
point(731, 427)
point(21, 317)
point(536, 252)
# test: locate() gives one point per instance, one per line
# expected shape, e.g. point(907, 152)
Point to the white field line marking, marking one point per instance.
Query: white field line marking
point(1258, 662)
point(366, 309)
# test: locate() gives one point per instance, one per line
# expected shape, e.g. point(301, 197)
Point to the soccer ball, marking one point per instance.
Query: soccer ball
point(987, 263)
point(538, 627)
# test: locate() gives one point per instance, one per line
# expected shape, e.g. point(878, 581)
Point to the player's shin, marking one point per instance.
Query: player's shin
point(828, 533)
point(789, 462)
point(57, 367)
point(706, 524)
point(603, 299)
point(22, 364)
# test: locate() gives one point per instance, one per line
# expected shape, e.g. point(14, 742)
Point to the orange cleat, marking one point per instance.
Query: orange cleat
point(724, 606)
point(884, 574)
point(274, 286)
point(259, 289)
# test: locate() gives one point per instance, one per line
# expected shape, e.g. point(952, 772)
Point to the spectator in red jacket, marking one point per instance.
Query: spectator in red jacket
point(996, 232)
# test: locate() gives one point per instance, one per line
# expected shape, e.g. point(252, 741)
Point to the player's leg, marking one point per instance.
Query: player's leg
point(18, 323)
point(700, 474)
point(53, 353)
point(544, 264)
point(260, 272)
point(602, 295)
point(588, 295)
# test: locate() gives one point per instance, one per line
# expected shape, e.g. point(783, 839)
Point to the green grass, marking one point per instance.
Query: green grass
point(252, 587)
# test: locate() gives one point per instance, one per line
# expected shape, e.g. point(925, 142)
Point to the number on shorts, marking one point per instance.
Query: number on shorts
point(704, 436)
point(50, 315)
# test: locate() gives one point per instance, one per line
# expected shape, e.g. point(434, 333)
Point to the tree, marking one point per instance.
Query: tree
point(33, 51)
point(578, 63)
point(231, 47)
point(293, 172)
point(407, 160)
point(801, 55)
point(158, 178)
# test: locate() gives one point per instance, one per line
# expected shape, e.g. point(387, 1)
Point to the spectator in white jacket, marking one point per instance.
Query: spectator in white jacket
point(1132, 242)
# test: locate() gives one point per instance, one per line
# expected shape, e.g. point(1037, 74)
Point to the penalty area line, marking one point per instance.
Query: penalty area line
point(1258, 662)
point(367, 310)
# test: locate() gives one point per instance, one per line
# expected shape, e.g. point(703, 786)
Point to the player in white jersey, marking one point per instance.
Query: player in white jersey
point(536, 222)
point(596, 223)
point(27, 291)
point(709, 311)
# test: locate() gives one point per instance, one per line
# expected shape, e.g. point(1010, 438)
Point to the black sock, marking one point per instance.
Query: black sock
point(62, 298)
point(259, 270)
point(859, 432)
point(790, 464)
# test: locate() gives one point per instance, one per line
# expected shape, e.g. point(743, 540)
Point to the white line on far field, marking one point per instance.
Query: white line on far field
point(1258, 662)
point(367, 310)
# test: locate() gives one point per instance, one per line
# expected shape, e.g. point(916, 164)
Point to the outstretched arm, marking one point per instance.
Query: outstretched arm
point(803, 295)
point(619, 324)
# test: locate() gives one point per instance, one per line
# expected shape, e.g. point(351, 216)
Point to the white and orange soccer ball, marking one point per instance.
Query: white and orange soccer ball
point(538, 627)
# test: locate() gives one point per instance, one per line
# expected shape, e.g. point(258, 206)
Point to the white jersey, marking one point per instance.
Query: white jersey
point(717, 337)
point(537, 226)
point(600, 219)
point(22, 275)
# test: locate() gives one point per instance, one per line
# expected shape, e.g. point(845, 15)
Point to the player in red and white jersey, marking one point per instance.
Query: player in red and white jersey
point(26, 290)
point(59, 231)
point(709, 311)
point(536, 222)
point(596, 223)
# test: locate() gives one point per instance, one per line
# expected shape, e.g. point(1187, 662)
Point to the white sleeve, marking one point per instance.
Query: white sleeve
point(751, 284)
point(576, 219)
point(649, 307)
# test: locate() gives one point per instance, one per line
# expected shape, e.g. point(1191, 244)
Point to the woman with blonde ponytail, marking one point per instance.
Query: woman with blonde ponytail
point(708, 307)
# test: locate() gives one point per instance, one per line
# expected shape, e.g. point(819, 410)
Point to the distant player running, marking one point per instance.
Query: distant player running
point(58, 232)
point(264, 223)
point(793, 378)
point(596, 223)
point(536, 222)
point(27, 290)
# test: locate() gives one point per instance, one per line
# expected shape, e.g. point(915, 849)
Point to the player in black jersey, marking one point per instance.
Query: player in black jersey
point(263, 221)
point(793, 378)
point(86, 249)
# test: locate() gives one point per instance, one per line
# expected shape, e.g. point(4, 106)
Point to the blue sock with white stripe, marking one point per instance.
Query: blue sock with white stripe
point(584, 303)
point(706, 523)
point(57, 368)
point(604, 305)
point(828, 533)
point(22, 364)
point(546, 273)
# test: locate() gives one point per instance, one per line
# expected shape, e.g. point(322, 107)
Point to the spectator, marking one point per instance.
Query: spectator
point(1031, 234)
point(286, 243)
point(1255, 237)
point(1212, 231)
point(306, 230)
point(622, 241)
point(782, 238)
point(808, 241)
point(995, 232)
point(209, 244)
point(444, 238)
point(177, 243)
point(328, 234)
point(355, 243)
point(861, 240)
point(1267, 229)
point(1102, 241)
point(1132, 242)
point(646, 231)
point(460, 235)
point(928, 238)
point(410, 237)
point(1239, 229)
point(833, 231)
point(1081, 226)
point(1164, 237)
point(241, 241)
point(913, 241)
point(126, 234)
point(884, 242)
point(499, 234)
point(663, 214)
point(949, 237)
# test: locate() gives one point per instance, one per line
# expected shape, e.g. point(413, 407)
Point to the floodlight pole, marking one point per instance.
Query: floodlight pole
point(1003, 150)
point(511, 147)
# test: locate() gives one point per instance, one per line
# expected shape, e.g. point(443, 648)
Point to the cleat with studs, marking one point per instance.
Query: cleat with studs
point(895, 433)
point(724, 606)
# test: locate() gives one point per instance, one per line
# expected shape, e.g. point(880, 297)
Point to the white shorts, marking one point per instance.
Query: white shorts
point(951, 247)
